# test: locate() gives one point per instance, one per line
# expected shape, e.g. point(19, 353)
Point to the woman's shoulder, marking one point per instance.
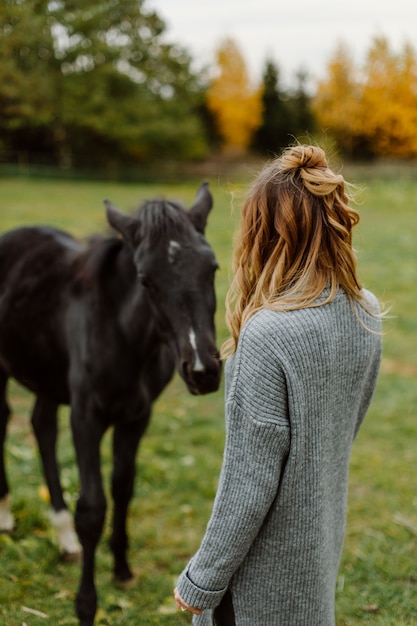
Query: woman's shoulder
point(263, 323)
point(370, 300)
point(268, 330)
point(268, 320)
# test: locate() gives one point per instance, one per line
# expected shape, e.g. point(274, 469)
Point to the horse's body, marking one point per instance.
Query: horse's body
point(101, 328)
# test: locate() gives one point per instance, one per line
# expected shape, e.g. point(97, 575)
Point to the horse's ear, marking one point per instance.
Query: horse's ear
point(125, 225)
point(201, 208)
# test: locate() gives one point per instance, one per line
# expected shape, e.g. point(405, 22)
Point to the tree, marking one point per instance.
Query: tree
point(96, 77)
point(388, 117)
point(286, 114)
point(277, 121)
point(372, 111)
point(234, 103)
point(26, 85)
point(300, 102)
point(336, 104)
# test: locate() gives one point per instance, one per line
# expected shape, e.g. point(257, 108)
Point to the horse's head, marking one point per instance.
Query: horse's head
point(175, 267)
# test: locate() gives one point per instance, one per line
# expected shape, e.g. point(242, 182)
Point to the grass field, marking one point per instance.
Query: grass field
point(180, 455)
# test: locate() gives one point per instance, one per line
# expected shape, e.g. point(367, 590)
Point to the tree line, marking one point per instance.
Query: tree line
point(89, 83)
point(371, 111)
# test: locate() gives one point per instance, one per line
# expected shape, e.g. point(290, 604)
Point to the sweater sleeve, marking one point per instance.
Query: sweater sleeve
point(374, 362)
point(257, 444)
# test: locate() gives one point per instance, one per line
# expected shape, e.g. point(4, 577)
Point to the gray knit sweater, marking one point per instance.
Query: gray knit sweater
point(297, 390)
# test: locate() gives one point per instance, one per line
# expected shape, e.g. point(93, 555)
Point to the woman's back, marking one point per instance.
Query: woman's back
point(311, 371)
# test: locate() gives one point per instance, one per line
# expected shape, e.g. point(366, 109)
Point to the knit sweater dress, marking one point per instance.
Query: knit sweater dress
point(297, 390)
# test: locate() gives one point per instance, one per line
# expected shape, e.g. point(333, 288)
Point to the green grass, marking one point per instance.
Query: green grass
point(180, 455)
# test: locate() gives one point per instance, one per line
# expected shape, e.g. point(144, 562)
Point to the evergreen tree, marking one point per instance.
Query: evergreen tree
point(277, 123)
point(302, 114)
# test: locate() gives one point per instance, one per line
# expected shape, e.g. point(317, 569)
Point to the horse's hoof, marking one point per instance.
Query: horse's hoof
point(68, 541)
point(126, 580)
point(70, 557)
point(125, 584)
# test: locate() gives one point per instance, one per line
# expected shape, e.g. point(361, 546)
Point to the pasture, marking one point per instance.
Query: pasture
point(180, 455)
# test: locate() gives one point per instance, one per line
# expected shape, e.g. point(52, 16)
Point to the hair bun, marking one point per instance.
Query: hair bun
point(311, 164)
point(303, 157)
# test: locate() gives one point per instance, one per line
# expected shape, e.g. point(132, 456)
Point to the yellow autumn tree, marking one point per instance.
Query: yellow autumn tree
point(372, 110)
point(388, 116)
point(337, 99)
point(235, 105)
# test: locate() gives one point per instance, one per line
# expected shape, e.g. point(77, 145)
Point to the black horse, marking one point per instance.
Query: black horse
point(101, 327)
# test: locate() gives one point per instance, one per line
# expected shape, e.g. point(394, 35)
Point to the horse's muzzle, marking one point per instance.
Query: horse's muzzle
point(202, 381)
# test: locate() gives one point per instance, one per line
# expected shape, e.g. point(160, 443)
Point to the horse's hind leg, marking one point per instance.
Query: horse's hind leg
point(6, 518)
point(44, 422)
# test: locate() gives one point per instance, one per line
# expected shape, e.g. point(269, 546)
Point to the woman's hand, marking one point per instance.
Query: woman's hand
point(183, 606)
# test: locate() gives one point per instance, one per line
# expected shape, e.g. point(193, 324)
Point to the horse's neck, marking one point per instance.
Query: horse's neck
point(136, 316)
point(124, 299)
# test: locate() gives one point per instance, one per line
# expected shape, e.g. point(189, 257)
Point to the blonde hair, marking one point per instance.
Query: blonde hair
point(295, 239)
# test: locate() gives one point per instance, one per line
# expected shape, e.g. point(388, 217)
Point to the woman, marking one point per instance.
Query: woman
point(305, 351)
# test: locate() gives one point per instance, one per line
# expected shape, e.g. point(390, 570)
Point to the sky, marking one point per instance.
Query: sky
point(295, 34)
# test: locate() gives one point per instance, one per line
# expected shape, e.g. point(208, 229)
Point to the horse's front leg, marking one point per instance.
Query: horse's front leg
point(91, 507)
point(44, 423)
point(125, 444)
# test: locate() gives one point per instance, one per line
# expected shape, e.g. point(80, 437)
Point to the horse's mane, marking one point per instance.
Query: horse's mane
point(99, 254)
point(160, 218)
